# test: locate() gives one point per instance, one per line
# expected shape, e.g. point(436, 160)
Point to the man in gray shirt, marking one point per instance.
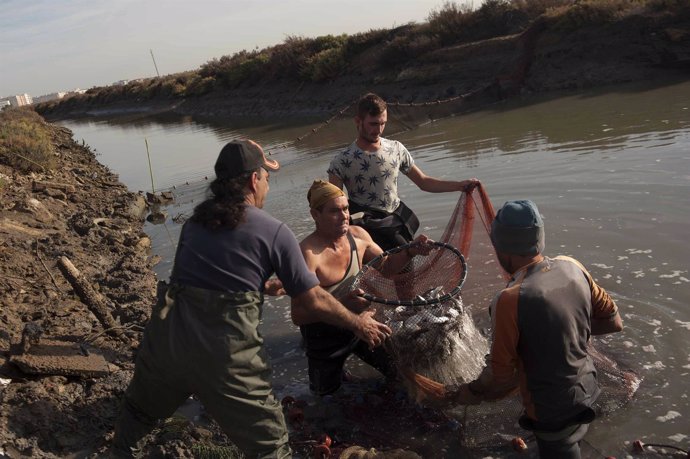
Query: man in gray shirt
point(203, 335)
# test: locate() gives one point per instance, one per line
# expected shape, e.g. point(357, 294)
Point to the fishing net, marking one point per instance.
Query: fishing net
point(440, 343)
point(401, 288)
point(432, 335)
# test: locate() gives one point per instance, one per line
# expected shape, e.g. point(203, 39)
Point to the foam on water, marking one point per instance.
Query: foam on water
point(668, 416)
point(658, 365)
point(685, 325)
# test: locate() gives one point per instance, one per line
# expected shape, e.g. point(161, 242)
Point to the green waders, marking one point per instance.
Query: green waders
point(206, 343)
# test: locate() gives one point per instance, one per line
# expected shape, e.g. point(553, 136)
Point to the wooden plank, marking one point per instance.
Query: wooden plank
point(57, 357)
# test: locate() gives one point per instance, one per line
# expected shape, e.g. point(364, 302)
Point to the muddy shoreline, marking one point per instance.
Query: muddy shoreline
point(65, 398)
point(76, 290)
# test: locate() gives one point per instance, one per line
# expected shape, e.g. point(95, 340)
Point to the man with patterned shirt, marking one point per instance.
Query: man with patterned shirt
point(369, 169)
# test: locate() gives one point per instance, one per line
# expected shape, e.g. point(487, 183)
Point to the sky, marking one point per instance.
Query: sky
point(48, 46)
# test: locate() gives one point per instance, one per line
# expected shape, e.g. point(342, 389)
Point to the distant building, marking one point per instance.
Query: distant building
point(49, 97)
point(4, 103)
point(17, 101)
point(120, 83)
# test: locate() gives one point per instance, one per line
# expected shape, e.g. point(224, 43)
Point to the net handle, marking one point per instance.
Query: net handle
point(416, 302)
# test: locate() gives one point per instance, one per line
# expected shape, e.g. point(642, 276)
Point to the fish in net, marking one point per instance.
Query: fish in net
point(440, 342)
point(440, 339)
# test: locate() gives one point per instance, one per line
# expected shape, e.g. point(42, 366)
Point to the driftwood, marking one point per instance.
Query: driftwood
point(93, 300)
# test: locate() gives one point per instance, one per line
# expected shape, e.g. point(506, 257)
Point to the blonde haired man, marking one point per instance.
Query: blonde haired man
point(335, 252)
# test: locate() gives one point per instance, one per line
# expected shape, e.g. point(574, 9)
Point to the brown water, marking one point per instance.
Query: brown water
point(609, 171)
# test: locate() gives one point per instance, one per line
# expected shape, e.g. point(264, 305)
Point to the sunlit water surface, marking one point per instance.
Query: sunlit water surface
point(609, 171)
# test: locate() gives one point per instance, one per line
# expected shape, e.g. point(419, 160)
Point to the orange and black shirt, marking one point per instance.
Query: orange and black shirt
point(541, 327)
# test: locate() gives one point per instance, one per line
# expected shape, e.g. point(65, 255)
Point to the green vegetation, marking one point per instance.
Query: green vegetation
point(178, 428)
point(25, 141)
point(326, 58)
point(209, 451)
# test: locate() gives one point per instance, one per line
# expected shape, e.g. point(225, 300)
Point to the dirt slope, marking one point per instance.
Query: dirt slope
point(79, 211)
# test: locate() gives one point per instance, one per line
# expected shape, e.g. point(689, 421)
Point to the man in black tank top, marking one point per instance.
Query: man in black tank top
point(335, 252)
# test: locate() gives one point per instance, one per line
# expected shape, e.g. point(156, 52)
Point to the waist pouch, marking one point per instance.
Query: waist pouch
point(402, 221)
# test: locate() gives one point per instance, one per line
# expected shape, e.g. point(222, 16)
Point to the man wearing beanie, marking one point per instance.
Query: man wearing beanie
point(541, 323)
point(203, 336)
point(335, 252)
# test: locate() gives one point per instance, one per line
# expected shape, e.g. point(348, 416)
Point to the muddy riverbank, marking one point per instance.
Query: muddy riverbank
point(76, 290)
point(61, 383)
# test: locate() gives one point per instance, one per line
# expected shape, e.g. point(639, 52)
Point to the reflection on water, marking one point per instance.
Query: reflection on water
point(610, 173)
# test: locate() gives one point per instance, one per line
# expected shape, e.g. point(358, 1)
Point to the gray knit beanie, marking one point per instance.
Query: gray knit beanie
point(518, 229)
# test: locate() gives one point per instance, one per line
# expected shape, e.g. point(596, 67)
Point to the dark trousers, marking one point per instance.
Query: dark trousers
point(565, 447)
point(205, 343)
point(328, 347)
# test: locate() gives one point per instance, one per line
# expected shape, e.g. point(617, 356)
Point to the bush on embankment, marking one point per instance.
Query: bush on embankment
point(378, 52)
point(25, 141)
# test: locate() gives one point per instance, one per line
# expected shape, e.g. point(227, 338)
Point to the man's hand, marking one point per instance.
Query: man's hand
point(274, 287)
point(448, 395)
point(421, 245)
point(469, 185)
point(354, 301)
point(371, 331)
point(461, 395)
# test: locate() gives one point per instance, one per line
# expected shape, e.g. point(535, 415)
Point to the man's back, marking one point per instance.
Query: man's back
point(551, 302)
point(554, 313)
point(239, 259)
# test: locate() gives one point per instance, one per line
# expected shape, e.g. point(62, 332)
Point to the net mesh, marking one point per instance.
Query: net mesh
point(424, 279)
point(446, 343)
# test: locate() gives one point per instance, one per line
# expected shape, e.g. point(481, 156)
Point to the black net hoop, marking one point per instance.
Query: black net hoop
point(426, 280)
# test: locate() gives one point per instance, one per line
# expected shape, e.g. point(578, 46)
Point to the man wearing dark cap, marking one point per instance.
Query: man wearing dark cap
point(541, 323)
point(202, 338)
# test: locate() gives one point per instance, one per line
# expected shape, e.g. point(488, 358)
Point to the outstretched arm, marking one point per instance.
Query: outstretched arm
point(395, 262)
point(499, 378)
point(317, 305)
point(434, 185)
point(609, 325)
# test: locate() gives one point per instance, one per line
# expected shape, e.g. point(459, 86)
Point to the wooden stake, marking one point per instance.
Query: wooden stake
point(91, 298)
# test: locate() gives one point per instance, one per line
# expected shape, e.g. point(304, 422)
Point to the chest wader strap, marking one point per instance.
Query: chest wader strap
point(202, 298)
point(165, 298)
point(403, 220)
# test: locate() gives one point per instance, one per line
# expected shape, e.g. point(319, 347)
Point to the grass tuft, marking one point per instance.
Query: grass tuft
point(25, 141)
